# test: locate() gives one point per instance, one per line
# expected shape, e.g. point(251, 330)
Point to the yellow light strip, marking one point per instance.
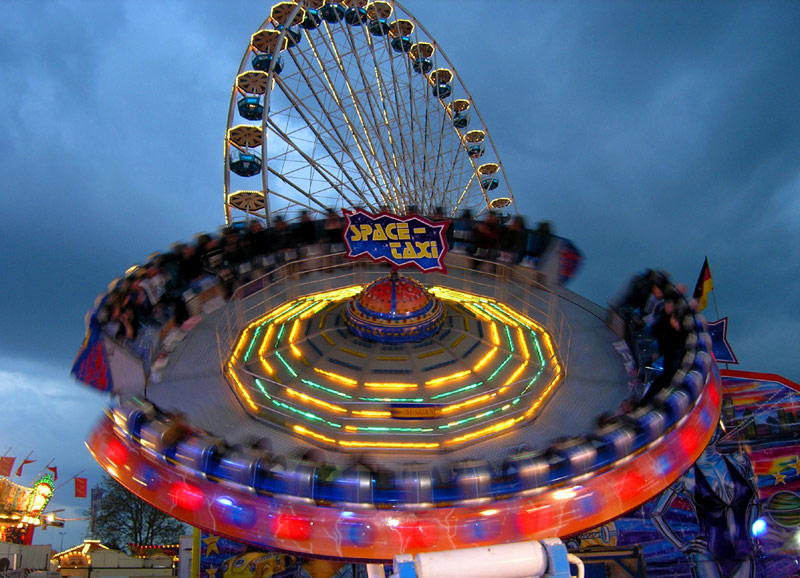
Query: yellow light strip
point(315, 401)
point(247, 398)
point(467, 403)
point(451, 377)
point(477, 312)
point(541, 399)
point(308, 433)
point(460, 338)
point(505, 318)
point(392, 445)
point(392, 358)
point(430, 353)
point(262, 349)
point(524, 343)
point(495, 336)
point(292, 333)
point(484, 360)
point(515, 375)
point(380, 385)
point(370, 413)
point(277, 311)
point(336, 377)
point(485, 431)
point(353, 352)
point(328, 339)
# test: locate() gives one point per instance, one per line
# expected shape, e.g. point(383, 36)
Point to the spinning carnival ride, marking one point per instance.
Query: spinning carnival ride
point(404, 414)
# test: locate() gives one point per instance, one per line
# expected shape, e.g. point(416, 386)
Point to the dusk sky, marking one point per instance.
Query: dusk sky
point(651, 134)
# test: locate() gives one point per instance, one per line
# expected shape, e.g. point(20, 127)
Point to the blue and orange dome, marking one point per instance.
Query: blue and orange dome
point(394, 309)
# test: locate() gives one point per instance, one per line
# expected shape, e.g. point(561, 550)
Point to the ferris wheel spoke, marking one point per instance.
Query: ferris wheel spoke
point(381, 105)
point(329, 84)
point(314, 123)
point(324, 173)
point(384, 105)
point(292, 200)
point(360, 110)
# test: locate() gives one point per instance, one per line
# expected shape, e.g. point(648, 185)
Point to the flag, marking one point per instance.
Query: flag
point(24, 462)
point(6, 465)
point(718, 330)
point(91, 365)
point(53, 469)
point(80, 487)
point(704, 286)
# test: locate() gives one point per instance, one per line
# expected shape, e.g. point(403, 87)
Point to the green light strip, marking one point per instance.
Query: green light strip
point(289, 367)
point(262, 388)
point(306, 414)
point(280, 334)
point(501, 366)
point(329, 390)
point(313, 304)
point(252, 342)
point(473, 418)
point(459, 390)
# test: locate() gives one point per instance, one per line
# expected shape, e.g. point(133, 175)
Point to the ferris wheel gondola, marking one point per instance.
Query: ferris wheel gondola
point(353, 104)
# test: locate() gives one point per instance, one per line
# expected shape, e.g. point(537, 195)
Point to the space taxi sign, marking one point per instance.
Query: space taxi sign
point(401, 241)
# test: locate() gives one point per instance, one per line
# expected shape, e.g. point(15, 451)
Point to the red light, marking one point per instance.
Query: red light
point(713, 392)
point(117, 452)
point(688, 441)
point(534, 520)
point(417, 534)
point(632, 484)
point(186, 495)
point(290, 527)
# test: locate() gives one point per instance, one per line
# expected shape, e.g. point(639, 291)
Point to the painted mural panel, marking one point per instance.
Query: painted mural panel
point(736, 512)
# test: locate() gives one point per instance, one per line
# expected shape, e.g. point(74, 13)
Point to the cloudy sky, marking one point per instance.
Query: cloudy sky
point(652, 134)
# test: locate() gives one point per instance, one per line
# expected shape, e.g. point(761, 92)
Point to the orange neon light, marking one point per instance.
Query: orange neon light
point(315, 401)
point(485, 359)
point(378, 385)
point(445, 379)
point(468, 402)
point(308, 433)
point(336, 377)
point(370, 413)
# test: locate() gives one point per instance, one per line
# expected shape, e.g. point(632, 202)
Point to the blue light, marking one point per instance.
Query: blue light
point(759, 528)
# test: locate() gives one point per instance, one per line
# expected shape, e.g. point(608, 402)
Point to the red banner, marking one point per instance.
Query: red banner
point(53, 469)
point(80, 487)
point(24, 462)
point(6, 465)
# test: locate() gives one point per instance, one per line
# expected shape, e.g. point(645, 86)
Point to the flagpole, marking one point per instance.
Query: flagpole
point(44, 468)
point(6, 452)
point(30, 453)
point(68, 481)
point(716, 310)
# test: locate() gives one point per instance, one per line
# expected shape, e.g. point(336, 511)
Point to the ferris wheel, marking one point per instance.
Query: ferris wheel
point(351, 103)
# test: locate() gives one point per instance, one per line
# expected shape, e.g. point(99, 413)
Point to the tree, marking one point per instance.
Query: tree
point(123, 518)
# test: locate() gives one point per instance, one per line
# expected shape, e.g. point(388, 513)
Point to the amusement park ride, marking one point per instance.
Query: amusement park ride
point(443, 418)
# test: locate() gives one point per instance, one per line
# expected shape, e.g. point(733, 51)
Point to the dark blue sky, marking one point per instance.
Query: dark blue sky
point(652, 134)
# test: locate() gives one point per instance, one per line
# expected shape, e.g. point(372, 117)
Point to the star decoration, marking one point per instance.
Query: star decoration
point(796, 465)
point(211, 545)
point(212, 572)
point(779, 478)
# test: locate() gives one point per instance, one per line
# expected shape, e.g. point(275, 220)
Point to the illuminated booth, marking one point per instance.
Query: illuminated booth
point(21, 508)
